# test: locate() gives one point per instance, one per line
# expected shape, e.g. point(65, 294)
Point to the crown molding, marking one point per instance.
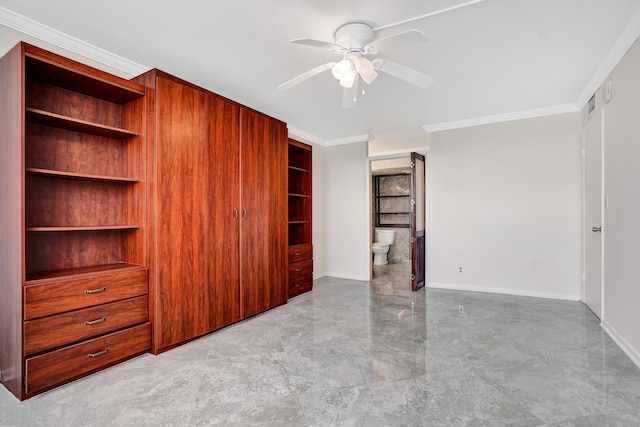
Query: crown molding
point(507, 117)
point(57, 38)
point(305, 136)
point(299, 134)
point(347, 140)
point(629, 35)
point(392, 154)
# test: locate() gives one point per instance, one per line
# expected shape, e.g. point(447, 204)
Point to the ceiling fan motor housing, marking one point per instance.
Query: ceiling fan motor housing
point(355, 35)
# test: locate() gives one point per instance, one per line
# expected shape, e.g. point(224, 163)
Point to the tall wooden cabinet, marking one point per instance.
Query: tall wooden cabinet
point(73, 294)
point(218, 210)
point(299, 214)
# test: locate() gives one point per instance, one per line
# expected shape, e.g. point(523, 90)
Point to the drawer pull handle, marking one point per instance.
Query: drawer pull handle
point(95, 291)
point(298, 285)
point(298, 253)
point(98, 354)
point(299, 269)
point(95, 322)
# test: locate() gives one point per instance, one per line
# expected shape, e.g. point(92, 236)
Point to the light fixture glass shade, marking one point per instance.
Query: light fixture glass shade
point(348, 79)
point(366, 69)
point(341, 68)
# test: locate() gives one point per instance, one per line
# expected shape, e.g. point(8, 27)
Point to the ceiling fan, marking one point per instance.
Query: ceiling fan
point(356, 41)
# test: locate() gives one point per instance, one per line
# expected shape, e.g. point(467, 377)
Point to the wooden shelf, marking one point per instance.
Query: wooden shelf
point(298, 169)
point(59, 75)
point(80, 272)
point(298, 222)
point(72, 175)
point(298, 195)
point(83, 228)
point(47, 118)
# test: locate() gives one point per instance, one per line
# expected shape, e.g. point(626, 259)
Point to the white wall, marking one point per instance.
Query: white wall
point(318, 225)
point(621, 225)
point(505, 205)
point(347, 251)
point(398, 143)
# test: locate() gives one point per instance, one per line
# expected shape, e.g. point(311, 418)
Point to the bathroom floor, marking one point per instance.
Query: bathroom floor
point(367, 354)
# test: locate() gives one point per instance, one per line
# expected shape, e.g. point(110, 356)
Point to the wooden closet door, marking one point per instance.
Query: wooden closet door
point(263, 244)
point(179, 221)
point(223, 212)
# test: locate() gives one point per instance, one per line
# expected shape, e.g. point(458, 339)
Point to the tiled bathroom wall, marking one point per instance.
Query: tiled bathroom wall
point(397, 185)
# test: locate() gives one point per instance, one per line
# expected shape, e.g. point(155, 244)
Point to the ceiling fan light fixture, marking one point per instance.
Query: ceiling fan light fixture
point(348, 79)
point(365, 68)
point(341, 68)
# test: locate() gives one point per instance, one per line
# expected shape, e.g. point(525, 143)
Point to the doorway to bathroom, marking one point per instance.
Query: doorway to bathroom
point(398, 219)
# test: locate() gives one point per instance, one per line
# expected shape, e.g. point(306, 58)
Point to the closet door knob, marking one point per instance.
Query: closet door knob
point(244, 213)
point(235, 214)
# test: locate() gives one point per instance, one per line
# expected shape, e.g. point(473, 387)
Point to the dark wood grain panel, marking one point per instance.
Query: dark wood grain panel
point(300, 252)
point(179, 213)
point(299, 208)
point(11, 222)
point(54, 99)
point(59, 149)
point(278, 212)
point(300, 216)
point(65, 295)
point(301, 268)
point(299, 155)
point(57, 367)
point(263, 246)
point(223, 212)
point(62, 329)
point(299, 182)
point(51, 201)
point(53, 69)
point(47, 251)
point(300, 285)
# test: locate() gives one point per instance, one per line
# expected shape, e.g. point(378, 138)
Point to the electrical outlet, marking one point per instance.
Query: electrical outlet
point(460, 270)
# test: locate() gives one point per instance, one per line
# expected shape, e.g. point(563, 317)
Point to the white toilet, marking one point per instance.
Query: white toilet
point(384, 239)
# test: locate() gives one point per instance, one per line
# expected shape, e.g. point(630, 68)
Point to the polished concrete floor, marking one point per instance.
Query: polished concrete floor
point(367, 354)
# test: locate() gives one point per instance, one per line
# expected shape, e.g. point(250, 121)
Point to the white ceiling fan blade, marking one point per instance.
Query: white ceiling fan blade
point(401, 39)
point(350, 95)
point(306, 75)
point(428, 15)
point(402, 72)
point(320, 44)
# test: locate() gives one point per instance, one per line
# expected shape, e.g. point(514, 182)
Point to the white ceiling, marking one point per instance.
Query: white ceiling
point(493, 58)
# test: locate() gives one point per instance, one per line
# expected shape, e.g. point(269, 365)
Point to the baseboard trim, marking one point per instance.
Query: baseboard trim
point(504, 291)
point(346, 277)
point(628, 349)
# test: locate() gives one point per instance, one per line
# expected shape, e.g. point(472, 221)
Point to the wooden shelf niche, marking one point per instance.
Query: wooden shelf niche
point(300, 208)
point(84, 167)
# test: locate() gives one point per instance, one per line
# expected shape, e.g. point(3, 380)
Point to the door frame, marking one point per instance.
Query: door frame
point(592, 121)
point(418, 238)
point(399, 155)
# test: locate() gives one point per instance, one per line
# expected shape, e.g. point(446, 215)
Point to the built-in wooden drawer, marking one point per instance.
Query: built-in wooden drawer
point(300, 269)
point(300, 253)
point(50, 298)
point(68, 363)
point(62, 329)
point(300, 285)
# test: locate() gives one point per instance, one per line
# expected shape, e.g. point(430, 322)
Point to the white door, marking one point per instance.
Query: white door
point(593, 204)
